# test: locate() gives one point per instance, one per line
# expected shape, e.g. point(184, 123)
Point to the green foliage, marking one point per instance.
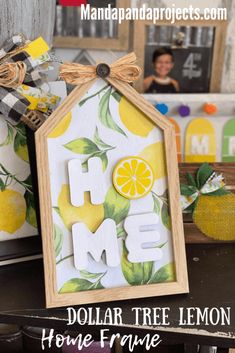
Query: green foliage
point(58, 240)
point(166, 219)
point(79, 284)
point(164, 274)
point(115, 206)
point(82, 146)
point(105, 115)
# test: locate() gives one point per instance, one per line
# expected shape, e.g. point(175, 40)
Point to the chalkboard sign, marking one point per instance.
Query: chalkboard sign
point(192, 67)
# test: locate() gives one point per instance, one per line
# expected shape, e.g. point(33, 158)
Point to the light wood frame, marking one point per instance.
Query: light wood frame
point(53, 298)
point(139, 39)
point(119, 43)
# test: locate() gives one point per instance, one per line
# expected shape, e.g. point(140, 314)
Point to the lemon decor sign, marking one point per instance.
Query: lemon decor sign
point(211, 204)
point(110, 198)
point(17, 208)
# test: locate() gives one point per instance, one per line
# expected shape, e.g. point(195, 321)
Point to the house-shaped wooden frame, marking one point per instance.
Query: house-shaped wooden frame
point(65, 285)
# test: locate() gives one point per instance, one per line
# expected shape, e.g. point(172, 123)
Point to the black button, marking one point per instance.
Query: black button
point(102, 70)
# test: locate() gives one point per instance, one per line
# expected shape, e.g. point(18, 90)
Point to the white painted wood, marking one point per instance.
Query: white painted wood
point(104, 239)
point(93, 180)
point(141, 237)
point(33, 18)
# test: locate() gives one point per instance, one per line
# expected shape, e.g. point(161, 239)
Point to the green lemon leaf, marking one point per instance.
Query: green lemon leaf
point(166, 220)
point(191, 180)
point(82, 146)
point(58, 239)
point(164, 274)
point(99, 142)
point(79, 284)
point(203, 174)
point(89, 275)
point(75, 285)
point(104, 160)
point(117, 96)
point(133, 272)
point(105, 115)
point(28, 183)
point(9, 138)
point(30, 211)
point(147, 271)
point(102, 155)
point(20, 146)
point(121, 233)
point(187, 190)
point(2, 185)
point(115, 206)
point(156, 204)
point(83, 101)
point(57, 210)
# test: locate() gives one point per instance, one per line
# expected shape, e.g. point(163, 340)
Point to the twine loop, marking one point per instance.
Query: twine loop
point(123, 69)
point(12, 75)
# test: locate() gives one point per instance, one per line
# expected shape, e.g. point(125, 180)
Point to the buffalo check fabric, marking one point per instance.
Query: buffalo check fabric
point(12, 103)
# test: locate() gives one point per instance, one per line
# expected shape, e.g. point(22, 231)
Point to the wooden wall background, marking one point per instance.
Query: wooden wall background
point(30, 17)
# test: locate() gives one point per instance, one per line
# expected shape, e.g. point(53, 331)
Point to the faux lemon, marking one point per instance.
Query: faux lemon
point(133, 119)
point(154, 154)
point(215, 216)
point(91, 215)
point(133, 177)
point(61, 127)
point(12, 210)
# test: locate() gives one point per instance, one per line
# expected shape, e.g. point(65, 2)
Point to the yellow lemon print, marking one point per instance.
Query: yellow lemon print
point(61, 127)
point(12, 210)
point(91, 215)
point(133, 119)
point(154, 154)
point(133, 177)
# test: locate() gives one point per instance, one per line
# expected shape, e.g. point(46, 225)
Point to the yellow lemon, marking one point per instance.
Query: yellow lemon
point(22, 152)
point(61, 127)
point(215, 216)
point(133, 119)
point(133, 177)
point(154, 154)
point(91, 215)
point(12, 210)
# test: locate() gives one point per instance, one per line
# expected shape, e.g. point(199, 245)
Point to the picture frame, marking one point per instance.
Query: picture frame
point(220, 27)
point(56, 297)
point(120, 42)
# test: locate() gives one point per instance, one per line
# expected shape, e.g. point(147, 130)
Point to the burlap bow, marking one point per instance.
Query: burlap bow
point(123, 69)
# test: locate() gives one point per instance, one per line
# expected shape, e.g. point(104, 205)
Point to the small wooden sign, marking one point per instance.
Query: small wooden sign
point(228, 147)
point(200, 141)
point(109, 195)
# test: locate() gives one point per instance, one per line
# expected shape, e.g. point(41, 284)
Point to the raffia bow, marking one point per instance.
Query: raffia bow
point(123, 69)
point(12, 75)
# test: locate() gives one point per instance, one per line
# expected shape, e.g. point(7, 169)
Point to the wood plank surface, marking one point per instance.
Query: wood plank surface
point(33, 18)
point(211, 269)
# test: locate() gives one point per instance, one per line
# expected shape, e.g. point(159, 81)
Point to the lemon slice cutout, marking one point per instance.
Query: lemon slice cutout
point(133, 177)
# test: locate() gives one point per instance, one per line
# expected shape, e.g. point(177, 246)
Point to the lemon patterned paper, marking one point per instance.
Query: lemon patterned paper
point(17, 210)
point(106, 125)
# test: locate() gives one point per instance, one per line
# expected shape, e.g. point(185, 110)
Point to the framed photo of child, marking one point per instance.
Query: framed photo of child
point(181, 58)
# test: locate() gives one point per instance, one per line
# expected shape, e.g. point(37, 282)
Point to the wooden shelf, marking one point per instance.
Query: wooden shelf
point(211, 269)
